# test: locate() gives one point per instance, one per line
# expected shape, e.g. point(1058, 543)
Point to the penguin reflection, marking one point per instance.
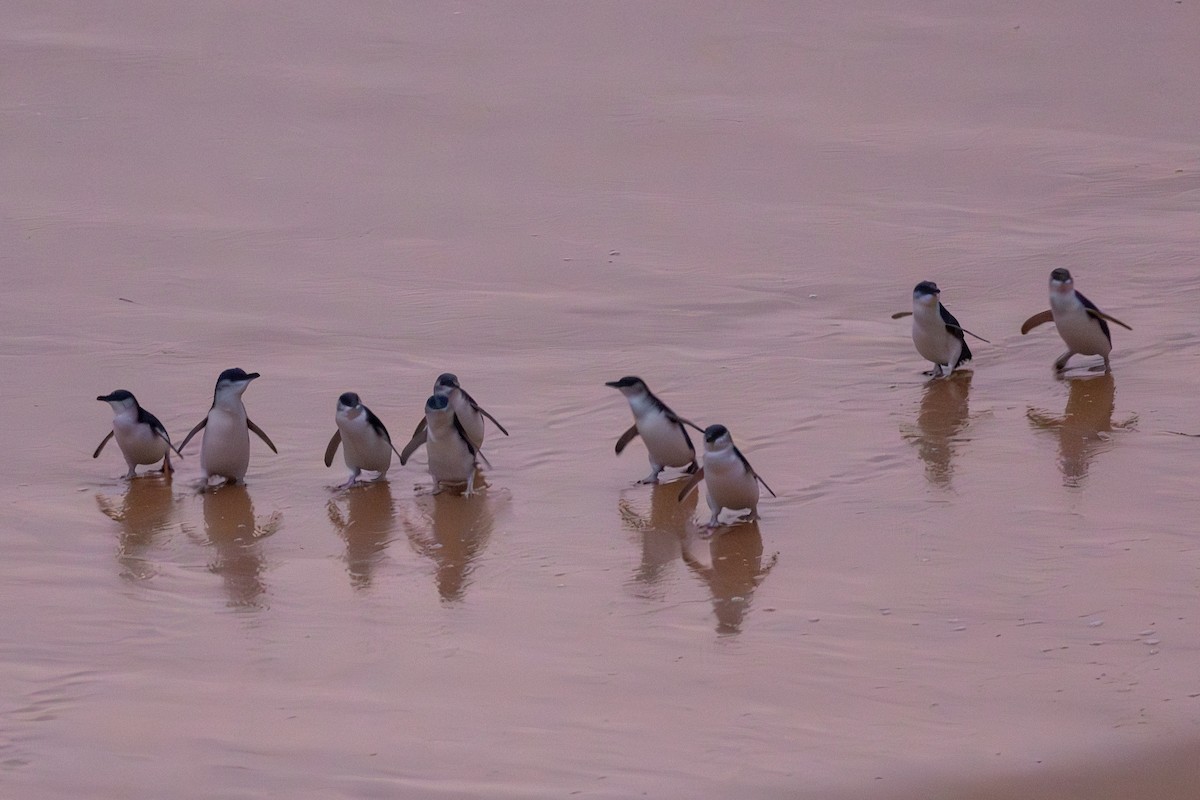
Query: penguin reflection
point(1084, 426)
point(366, 525)
point(735, 570)
point(233, 533)
point(660, 534)
point(943, 415)
point(144, 511)
point(456, 531)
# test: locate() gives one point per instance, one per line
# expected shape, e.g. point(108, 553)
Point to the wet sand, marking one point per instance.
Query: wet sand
point(983, 587)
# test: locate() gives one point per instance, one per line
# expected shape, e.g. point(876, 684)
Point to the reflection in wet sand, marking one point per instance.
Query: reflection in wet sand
point(661, 533)
point(943, 415)
point(366, 524)
point(1084, 426)
point(455, 531)
point(734, 572)
point(144, 511)
point(233, 533)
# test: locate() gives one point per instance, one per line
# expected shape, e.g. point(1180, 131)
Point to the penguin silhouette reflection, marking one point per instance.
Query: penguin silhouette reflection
point(1084, 427)
point(366, 524)
point(660, 534)
point(235, 537)
point(735, 570)
point(453, 534)
point(943, 415)
point(145, 511)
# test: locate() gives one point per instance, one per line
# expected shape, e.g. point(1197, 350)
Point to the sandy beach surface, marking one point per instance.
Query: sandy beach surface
point(980, 587)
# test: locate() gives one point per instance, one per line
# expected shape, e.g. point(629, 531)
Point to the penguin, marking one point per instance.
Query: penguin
point(141, 437)
point(728, 477)
point(367, 444)
point(663, 431)
point(225, 450)
point(937, 334)
point(451, 451)
point(1080, 324)
point(469, 412)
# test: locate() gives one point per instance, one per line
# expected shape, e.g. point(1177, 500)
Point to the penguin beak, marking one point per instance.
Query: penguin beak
point(252, 376)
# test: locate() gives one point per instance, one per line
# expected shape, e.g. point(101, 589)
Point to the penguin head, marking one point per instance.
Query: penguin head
point(436, 403)
point(232, 382)
point(349, 404)
point(716, 437)
point(120, 400)
point(926, 292)
point(1061, 281)
point(629, 386)
point(445, 384)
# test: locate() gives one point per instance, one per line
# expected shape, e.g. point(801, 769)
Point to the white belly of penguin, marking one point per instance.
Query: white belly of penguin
point(226, 447)
point(1079, 329)
point(362, 448)
point(138, 443)
point(728, 483)
point(449, 459)
point(664, 440)
point(931, 338)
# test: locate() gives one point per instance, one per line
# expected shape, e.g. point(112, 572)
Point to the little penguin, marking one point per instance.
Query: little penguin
point(365, 442)
point(729, 479)
point(470, 414)
point(663, 431)
point(1080, 324)
point(225, 451)
point(451, 452)
point(139, 434)
point(937, 335)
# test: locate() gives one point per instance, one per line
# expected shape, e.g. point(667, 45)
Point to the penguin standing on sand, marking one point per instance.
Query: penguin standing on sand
point(663, 431)
point(451, 452)
point(1080, 324)
point(470, 414)
point(139, 434)
point(729, 479)
point(937, 335)
point(225, 451)
point(365, 441)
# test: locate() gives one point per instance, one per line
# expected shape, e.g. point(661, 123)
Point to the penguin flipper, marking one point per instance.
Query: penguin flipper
point(261, 434)
point(193, 432)
point(163, 435)
point(418, 430)
point(1098, 314)
point(626, 437)
point(690, 424)
point(417, 440)
point(104, 441)
point(692, 482)
point(961, 329)
point(1037, 319)
point(493, 419)
point(900, 314)
point(758, 478)
point(333, 446)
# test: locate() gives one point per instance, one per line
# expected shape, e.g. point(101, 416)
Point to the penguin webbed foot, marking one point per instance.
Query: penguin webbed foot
point(1061, 363)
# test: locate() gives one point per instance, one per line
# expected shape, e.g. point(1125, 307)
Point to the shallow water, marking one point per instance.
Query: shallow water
point(978, 587)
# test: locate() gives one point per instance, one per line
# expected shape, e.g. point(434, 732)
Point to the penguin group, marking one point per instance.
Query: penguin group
point(941, 339)
point(452, 427)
